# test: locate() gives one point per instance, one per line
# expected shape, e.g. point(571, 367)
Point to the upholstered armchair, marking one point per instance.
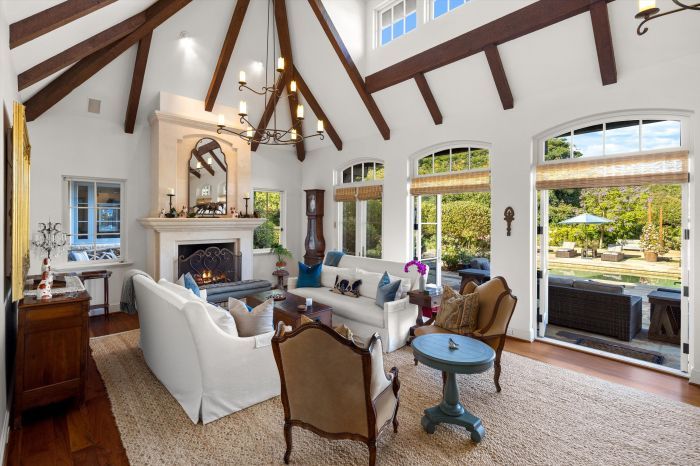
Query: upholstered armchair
point(496, 306)
point(334, 388)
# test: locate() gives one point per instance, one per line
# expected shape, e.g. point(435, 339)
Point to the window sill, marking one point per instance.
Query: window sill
point(94, 266)
point(261, 252)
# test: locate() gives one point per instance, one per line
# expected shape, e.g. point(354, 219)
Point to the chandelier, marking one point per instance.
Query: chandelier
point(272, 135)
point(649, 11)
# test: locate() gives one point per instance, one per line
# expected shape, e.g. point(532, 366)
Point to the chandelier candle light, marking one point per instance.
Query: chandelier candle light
point(272, 135)
point(649, 11)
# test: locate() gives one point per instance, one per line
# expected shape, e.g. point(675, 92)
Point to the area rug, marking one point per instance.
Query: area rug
point(613, 347)
point(544, 415)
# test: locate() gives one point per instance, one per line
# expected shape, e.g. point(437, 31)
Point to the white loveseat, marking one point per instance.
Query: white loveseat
point(209, 371)
point(362, 315)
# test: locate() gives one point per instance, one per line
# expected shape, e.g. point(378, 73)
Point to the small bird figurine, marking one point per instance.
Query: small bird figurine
point(452, 345)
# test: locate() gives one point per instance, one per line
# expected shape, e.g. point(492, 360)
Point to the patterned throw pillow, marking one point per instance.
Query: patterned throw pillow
point(347, 287)
point(458, 313)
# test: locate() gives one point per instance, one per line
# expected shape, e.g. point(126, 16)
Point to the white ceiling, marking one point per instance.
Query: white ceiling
point(559, 56)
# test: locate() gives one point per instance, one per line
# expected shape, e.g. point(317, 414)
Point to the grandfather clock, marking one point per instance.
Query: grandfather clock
point(315, 243)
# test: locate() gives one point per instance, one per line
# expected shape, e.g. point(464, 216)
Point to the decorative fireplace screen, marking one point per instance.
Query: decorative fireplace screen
point(209, 264)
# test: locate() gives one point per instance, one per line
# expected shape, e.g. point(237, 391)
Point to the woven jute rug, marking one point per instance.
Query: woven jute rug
point(544, 415)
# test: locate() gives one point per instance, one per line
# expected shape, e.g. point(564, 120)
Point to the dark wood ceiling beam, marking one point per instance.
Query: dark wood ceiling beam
point(499, 76)
point(428, 97)
point(64, 84)
point(603, 42)
point(132, 106)
point(79, 51)
point(201, 160)
point(521, 22)
point(269, 110)
point(218, 162)
point(285, 41)
point(346, 59)
point(318, 111)
point(52, 18)
point(195, 173)
point(208, 147)
point(234, 28)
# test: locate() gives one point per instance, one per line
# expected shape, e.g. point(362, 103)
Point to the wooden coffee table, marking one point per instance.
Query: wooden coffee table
point(287, 310)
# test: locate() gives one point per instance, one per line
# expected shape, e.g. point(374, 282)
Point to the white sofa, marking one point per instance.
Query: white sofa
point(361, 314)
point(209, 371)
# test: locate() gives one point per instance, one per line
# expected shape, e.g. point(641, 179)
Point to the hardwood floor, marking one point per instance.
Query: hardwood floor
point(88, 435)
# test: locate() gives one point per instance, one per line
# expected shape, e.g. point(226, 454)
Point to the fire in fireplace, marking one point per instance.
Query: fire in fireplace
point(209, 263)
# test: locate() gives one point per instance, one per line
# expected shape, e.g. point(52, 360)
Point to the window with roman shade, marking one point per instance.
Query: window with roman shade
point(452, 171)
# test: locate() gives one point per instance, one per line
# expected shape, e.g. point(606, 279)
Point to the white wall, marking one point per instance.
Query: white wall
point(8, 94)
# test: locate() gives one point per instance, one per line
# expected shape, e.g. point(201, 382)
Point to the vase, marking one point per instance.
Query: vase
point(421, 283)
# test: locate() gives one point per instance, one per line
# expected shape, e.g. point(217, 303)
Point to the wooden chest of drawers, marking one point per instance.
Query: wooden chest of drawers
point(52, 350)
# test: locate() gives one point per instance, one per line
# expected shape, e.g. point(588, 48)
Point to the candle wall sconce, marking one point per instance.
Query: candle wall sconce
point(508, 216)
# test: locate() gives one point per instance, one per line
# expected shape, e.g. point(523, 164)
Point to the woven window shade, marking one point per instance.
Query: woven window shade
point(452, 183)
point(362, 193)
point(660, 168)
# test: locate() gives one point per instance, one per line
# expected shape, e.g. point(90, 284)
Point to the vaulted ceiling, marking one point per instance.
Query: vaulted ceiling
point(566, 52)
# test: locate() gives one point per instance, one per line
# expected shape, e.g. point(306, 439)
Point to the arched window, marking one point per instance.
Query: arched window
point(452, 209)
point(358, 195)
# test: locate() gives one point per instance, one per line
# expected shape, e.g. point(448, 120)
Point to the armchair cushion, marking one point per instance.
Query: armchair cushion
point(458, 313)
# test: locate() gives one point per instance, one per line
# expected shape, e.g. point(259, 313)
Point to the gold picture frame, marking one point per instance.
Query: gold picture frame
point(21, 154)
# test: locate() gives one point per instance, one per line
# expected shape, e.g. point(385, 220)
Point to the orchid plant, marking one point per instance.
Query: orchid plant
point(420, 267)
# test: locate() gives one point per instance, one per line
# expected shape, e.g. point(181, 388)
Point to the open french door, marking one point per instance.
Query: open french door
point(542, 261)
point(685, 278)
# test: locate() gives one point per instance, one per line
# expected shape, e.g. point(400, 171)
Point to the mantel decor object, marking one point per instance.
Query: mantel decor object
point(172, 212)
point(422, 271)
point(508, 216)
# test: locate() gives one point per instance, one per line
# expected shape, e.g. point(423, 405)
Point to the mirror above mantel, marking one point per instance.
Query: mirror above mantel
point(207, 179)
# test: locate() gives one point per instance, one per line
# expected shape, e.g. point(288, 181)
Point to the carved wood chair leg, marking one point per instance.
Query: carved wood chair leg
point(415, 362)
point(497, 373)
point(444, 379)
point(288, 441)
point(396, 417)
point(372, 446)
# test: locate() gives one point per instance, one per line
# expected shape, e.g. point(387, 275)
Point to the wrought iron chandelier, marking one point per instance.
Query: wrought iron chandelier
point(649, 11)
point(273, 135)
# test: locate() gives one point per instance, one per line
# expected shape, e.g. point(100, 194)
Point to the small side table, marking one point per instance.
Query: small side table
point(428, 306)
point(665, 319)
point(280, 274)
point(95, 275)
point(471, 357)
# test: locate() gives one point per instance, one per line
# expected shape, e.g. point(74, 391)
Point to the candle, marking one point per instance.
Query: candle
point(241, 77)
point(294, 134)
point(249, 132)
point(319, 126)
point(210, 160)
point(293, 86)
point(646, 5)
point(247, 196)
point(199, 165)
point(242, 108)
point(300, 112)
point(171, 192)
point(222, 121)
point(280, 64)
point(309, 302)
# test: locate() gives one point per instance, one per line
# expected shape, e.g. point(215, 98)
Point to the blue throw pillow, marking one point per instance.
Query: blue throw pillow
point(309, 277)
point(190, 284)
point(385, 280)
point(333, 258)
point(387, 293)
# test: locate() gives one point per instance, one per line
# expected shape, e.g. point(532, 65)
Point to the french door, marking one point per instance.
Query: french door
point(360, 228)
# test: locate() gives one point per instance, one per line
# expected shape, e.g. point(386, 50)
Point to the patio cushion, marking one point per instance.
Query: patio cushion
point(561, 281)
point(480, 263)
point(589, 285)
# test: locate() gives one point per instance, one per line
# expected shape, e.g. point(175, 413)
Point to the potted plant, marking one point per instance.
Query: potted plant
point(422, 271)
point(281, 252)
point(652, 242)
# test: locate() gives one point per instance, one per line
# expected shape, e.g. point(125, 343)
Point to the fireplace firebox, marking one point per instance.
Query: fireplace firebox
point(209, 263)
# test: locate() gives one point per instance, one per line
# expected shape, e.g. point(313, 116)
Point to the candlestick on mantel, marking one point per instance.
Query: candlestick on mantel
point(170, 191)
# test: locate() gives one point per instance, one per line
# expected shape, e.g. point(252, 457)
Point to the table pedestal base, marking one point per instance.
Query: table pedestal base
point(451, 411)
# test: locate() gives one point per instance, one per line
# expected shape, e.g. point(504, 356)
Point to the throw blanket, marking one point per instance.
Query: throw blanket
point(128, 300)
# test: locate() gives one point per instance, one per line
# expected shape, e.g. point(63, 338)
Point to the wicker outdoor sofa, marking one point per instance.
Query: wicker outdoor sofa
point(594, 307)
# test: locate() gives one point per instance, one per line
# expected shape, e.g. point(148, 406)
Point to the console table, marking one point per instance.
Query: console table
point(52, 350)
point(97, 275)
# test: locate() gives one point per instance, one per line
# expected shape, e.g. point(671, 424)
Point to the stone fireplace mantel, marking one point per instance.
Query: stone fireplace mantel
point(166, 234)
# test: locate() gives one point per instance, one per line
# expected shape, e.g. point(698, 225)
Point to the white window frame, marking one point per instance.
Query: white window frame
point(389, 6)
point(68, 220)
point(360, 206)
point(432, 152)
point(283, 217)
point(431, 9)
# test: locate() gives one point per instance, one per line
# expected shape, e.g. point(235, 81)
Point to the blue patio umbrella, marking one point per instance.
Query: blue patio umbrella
point(587, 219)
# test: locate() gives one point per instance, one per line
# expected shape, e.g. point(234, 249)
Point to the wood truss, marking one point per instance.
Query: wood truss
point(91, 55)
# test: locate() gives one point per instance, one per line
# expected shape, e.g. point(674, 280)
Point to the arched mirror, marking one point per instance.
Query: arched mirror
point(208, 178)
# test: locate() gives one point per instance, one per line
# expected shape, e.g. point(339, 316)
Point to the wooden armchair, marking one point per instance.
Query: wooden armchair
point(496, 306)
point(334, 388)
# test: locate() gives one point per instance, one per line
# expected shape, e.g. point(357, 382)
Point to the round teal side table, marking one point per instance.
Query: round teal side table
point(470, 357)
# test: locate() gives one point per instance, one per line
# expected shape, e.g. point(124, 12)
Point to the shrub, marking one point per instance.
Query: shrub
point(652, 239)
point(264, 236)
